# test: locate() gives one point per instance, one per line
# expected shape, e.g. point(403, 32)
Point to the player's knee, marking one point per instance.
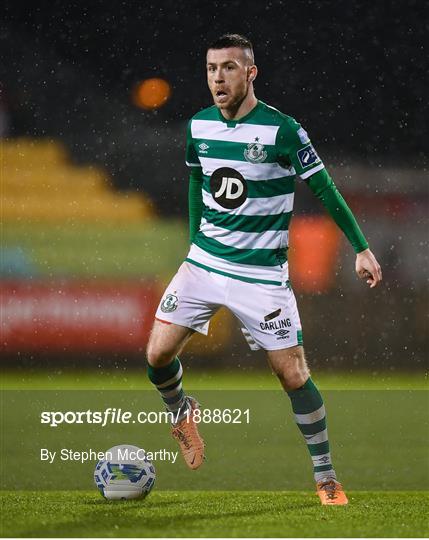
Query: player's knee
point(295, 372)
point(295, 378)
point(157, 356)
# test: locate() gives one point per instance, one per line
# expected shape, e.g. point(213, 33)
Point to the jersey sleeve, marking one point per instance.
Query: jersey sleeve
point(192, 159)
point(294, 148)
point(323, 187)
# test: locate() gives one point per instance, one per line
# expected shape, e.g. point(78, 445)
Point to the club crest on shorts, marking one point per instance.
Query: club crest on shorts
point(169, 303)
point(255, 152)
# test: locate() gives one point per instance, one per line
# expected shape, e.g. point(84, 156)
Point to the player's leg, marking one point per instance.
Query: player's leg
point(164, 367)
point(271, 322)
point(186, 307)
point(290, 366)
point(309, 410)
point(307, 404)
point(165, 372)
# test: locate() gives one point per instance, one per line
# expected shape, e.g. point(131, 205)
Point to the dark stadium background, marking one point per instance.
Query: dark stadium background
point(352, 74)
point(94, 224)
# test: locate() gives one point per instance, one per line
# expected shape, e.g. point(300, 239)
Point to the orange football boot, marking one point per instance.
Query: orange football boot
point(331, 492)
point(186, 434)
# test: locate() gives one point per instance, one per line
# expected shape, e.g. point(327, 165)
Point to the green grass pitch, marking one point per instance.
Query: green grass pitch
point(393, 505)
point(214, 514)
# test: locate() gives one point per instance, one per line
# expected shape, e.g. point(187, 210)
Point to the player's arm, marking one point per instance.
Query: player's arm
point(195, 201)
point(295, 148)
point(195, 196)
point(326, 191)
point(323, 187)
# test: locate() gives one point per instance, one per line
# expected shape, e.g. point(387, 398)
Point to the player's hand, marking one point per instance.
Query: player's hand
point(368, 268)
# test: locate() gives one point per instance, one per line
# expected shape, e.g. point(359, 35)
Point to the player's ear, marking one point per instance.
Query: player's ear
point(252, 73)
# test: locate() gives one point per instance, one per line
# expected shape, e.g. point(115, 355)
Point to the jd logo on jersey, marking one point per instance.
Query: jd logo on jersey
point(228, 187)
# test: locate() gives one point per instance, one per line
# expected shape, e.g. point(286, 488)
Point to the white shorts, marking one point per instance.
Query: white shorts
point(268, 313)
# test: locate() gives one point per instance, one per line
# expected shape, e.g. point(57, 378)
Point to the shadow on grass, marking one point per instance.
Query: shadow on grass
point(174, 517)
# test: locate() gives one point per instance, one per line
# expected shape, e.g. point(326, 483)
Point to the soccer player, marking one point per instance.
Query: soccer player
point(244, 157)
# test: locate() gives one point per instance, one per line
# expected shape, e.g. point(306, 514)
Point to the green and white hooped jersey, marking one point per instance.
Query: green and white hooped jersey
point(248, 169)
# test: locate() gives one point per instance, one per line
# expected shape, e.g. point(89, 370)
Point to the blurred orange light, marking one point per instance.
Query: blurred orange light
point(151, 93)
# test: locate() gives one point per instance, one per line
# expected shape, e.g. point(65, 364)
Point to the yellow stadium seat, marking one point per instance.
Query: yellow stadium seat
point(64, 180)
point(32, 152)
point(39, 183)
point(105, 208)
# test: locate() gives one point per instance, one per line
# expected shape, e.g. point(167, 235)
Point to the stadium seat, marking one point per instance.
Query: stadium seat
point(41, 184)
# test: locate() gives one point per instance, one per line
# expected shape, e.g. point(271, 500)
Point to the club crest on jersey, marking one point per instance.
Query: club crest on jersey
point(169, 303)
point(255, 152)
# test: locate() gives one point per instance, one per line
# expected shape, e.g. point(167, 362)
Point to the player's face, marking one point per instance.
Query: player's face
point(229, 75)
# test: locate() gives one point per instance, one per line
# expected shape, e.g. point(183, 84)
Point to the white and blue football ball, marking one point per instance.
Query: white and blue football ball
point(125, 473)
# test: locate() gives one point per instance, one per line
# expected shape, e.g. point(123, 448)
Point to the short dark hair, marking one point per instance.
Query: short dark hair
point(232, 40)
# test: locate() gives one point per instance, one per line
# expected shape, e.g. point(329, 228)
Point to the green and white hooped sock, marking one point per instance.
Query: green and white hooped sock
point(168, 381)
point(310, 416)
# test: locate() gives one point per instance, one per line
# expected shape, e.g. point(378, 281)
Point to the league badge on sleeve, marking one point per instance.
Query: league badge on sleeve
point(307, 156)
